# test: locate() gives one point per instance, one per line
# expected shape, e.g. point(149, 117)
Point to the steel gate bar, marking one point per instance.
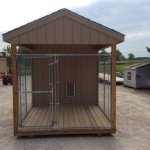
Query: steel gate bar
point(104, 83)
point(25, 86)
point(50, 87)
point(20, 89)
point(54, 72)
point(108, 87)
point(57, 74)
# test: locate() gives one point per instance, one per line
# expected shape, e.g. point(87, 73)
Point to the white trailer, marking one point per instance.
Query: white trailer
point(137, 76)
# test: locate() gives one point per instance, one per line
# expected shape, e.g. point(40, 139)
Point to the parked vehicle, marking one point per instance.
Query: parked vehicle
point(119, 74)
point(6, 78)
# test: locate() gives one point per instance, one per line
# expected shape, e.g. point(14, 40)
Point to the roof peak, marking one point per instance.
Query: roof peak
point(63, 9)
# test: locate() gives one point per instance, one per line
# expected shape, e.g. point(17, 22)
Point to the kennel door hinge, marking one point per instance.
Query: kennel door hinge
point(53, 63)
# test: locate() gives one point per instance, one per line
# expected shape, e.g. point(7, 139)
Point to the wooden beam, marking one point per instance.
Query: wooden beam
point(29, 47)
point(15, 94)
point(113, 86)
point(65, 132)
point(101, 47)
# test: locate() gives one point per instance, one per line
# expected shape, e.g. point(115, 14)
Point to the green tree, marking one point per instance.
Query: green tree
point(123, 58)
point(21, 50)
point(103, 52)
point(130, 56)
point(7, 50)
point(148, 49)
point(119, 56)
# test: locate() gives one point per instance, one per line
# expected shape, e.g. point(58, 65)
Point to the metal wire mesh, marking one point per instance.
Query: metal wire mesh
point(105, 85)
point(24, 84)
point(64, 91)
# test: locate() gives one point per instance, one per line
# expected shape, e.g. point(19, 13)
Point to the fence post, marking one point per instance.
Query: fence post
point(15, 94)
point(113, 86)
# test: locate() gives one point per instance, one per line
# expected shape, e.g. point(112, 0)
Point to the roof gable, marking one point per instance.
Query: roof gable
point(63, 27)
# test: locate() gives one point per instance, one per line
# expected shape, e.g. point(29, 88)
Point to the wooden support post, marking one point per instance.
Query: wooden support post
point(113, 86)
point(15, 94)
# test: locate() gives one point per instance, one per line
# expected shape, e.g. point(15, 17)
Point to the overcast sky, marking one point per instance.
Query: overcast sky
point(130, 17)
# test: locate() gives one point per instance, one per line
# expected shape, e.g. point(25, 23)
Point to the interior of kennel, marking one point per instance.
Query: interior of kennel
point(63, 91)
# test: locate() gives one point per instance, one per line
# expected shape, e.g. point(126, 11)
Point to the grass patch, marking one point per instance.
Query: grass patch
point(120, 65)
point(105, 68)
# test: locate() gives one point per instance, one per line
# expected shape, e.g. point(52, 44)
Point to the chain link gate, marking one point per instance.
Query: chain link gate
point(64, 91)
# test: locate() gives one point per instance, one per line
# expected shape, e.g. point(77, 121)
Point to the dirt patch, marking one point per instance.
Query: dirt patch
point(133, 126)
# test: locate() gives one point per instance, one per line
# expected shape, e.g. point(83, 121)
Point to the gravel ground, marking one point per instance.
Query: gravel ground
point(133, 126)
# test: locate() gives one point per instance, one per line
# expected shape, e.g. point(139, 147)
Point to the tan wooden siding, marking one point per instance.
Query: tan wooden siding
point(71, 69)
point(68, 29)
point(111, 40)
point(40, 81)
point(41, 33)
point(59, 25)
point(32, 35)
point(85, 35)
point(24, 38)
point(94, 37)
point(14, 40)
point(75, 69)
point(80, 70)
point(76, 33)
point(103, 38)
point(63, 31)
point(56, 16)
point(50, 27)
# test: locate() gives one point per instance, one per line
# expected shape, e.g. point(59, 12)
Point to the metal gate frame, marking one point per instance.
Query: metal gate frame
point(54, 86)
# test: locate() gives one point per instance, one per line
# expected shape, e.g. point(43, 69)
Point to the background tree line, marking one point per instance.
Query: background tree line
point(120, 56)
point(7, 50)
point(20, 50)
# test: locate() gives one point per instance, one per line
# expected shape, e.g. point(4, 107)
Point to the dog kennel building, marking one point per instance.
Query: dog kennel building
point(56, 89)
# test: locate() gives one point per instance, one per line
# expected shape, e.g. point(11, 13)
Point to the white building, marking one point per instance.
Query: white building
point(137, 76)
